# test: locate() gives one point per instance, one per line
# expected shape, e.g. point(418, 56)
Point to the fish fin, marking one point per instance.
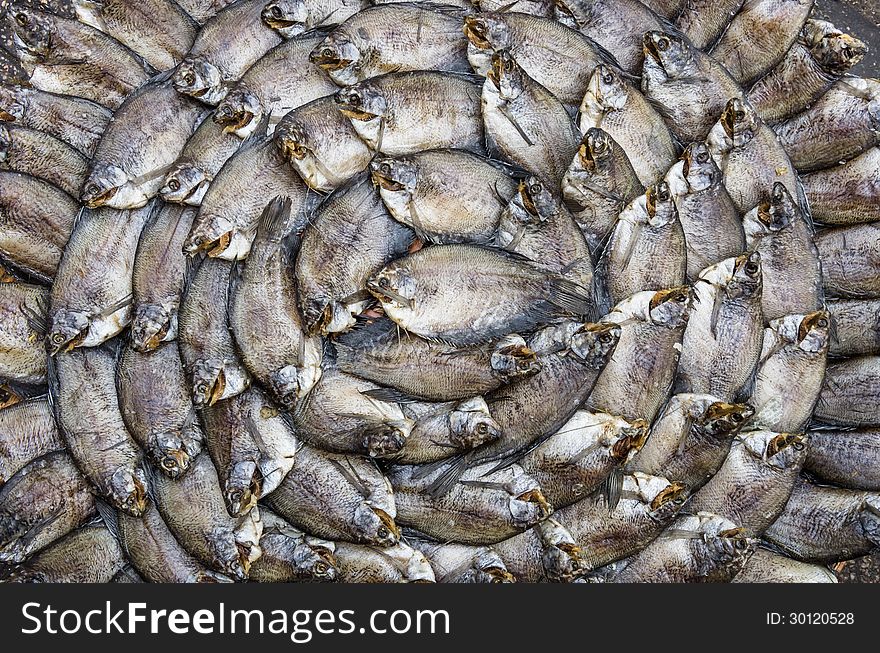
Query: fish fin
point(119, 304)
point(36, 318)
point(275, 219)
point(108, 516)
point(450, 476)
point(612, 488)
point(352, 477)
point(716, 312)
point(570, 297)
point(488, 485)
point(522, 133)
point(390, 395)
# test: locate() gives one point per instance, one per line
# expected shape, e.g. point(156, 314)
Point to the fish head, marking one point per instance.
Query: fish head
point(200, 79)
point(486, 567)
point(561, 557)
point(667, 54)
point(779, 450)
point(393, 285)
point(339, 57)
point(12, 103)
point(386, 440)
point(772, 215)
point(732, 544)
point(487, 31)
point(568, 13)
point(631, 437)
point(699, 168)
point(396, 176)
point(5, 143)
point(506, 75)
point(128, 491)
point(664, 497)
point(314, 561)
point(739, 121)
point(287, 17)
point(363, 102)
point(746, 280)
point(285, 386)
point(185, 184)
point(671, 307)
point(595, 152)
point(32, 31)
point(536, 199)
point(208, 382)
point(171, 453)
point(239, 112)
point(471, 424)
point(660, 205)
point(526, 502)
point(837, 52)
point(67, 330)
point(8, 396)
point(242, 487)
point(595, 342)
point(151, 325)
point(814, 332)
point(103, 183)
point(295, 143)
point(217, 237)
point(606, 91)
point(511, 359)
point(723, 420)
point(375, 526)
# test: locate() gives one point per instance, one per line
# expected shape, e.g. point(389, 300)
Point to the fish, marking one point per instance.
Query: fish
point(229, 43)
point(845, 194)
point(613, 105)
point(513, 295)
point(616, 25)
point(156, 553)
point(608, 528)
point(394, 37)
point(23, 309)
point(440, 430)
point(64, 56)
point(722, 341)
point(338, 497)
point(821, 55)
point(291, 18)
point(756, 479)
point(845, 457)
point(78, 122)
point(44, 501)
point(82, 387)
point(545, 553)
point(849, 395)
point(704, 21)
point(91, 297)
point(712, 225)
point(461, 563)
point(765, 566)
point(849, 258)
point(690, 439)
point(669, 9)
point(339, 415)
point(599, 183)
point(645, 251)
point(156, 407)
point(213, 368)
point(856, 327)
point(696, 548)
point(482, 507)
point(689, 88)
point(525, 123)
point(558, 58)
point(322, 145)
point(431, 370)
point(292, 556)
point(160, 273)
point(758, 37)
point(543, 8)
point(36, 219)
point(394, 564)
point(348, 239)
point(638, 378)
point(253, 447)
point(578, 458)
point(160, 31)
point(840, 125)
point(446, 196)
point(750, 156)
point(231, 208)
point(823, 524)
point(27, 432)
point(195, 512)
point(790, 372)
point(280, 81)
point(203, 10)
point(791, 275)
point(201, 159)
point(40, 155)
point(90, 554)
point(143, 140)
point(402, 113)
point(264, 317)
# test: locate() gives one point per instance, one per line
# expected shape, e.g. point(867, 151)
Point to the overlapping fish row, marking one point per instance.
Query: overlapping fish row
point(316, 290)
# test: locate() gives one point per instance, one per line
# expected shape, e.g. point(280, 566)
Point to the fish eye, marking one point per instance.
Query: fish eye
point(703, 157)
point(354, 99)
point(608, 78)
point(385, 169)
point(663, 44)
point(663, 193)
point(174, 185)
point(508, 65)
point(382, 532)
point(384, 283)
point(21, 19)
point(482, 429)
point(168, 462)
point(605, 337)
point(235, 495)
point(320, 567)
point(58, 339)
point(739, 115)
point(740, 544)
point(681, 299)
point(534, 189)
point(327, 52)
point(736, 417)
point(276, 11)
point(822, 323)
point(189, 78)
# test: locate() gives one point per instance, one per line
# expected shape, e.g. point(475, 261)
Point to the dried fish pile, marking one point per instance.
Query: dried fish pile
point(340, 290)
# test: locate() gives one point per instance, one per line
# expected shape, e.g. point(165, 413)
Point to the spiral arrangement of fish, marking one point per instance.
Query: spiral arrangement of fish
point(459, 291)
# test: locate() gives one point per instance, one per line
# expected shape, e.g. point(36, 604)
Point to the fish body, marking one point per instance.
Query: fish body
point(22, 315)
point(850, 258)
point(849, 395)
point(40, 155)
point(848, 193)
point(27, 432)
point(845, 457)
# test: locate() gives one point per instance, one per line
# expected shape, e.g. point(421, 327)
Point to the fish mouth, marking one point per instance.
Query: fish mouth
point(674, 492)
point(56, 344)
point(214, 248)
point(233, 120)
point(95, 199)
point(386, 295)
point(633, 440)
point(386, 183)
point(5, 116)
point(291, 149)
point(239, 502)
point(783, 441)
point(537, 497)
point(174, 462)
point(475, 31)
point(329, 63)
point(356, 114)
point(499, 575)
point(8, 397)
point(393, 535)
point(815, 320)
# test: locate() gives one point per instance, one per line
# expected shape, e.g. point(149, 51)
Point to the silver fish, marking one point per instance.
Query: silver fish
point(203, 10)
point(847, 193)
point(856, 327)
point(462, 563)
point(27, 432)
point(845, 458)
point(849, 260)
point(546, 552)
point(289, 555)
point(38, 154)
point(767, 567)
point(849, 394)
point(394, 564)
point(703, 21)
point(293, 17)
point(23, 310)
